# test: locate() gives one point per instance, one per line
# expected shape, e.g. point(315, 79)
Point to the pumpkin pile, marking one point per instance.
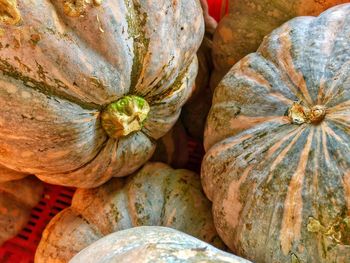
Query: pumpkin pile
point(108, 97)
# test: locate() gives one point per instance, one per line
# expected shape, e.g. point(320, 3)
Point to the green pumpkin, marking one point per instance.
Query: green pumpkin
point(157, 195)
point(87, 87)
point(278, 145)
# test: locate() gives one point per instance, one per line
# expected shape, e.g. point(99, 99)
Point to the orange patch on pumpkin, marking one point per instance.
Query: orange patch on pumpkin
point(232, 205)
point(292, 214)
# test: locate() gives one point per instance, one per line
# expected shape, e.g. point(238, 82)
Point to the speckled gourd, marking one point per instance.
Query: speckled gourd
point(153, 244)
point(241, 31)
point(277, 166)
point(156, 195)
point(86, 87)
point(17, 198)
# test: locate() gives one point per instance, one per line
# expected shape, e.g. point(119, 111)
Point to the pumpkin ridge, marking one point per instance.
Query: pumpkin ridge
point(136, 22)
point(40, 86)
point(102, 146)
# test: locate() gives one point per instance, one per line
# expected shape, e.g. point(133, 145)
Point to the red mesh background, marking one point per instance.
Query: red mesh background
point(21, 249)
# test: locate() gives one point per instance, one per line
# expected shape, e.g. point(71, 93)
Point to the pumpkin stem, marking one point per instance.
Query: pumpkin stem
point(125, 116)
point(9, 13)
point(300, 114)
point(75, 8)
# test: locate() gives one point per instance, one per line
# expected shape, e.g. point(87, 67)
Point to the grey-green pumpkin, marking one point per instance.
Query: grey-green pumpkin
point(86, 87)
point(277, 166)
point(157, 195)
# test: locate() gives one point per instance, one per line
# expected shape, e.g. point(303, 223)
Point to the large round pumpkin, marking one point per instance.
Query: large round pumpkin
point(152, 244)
point(17, 198)
point(278, 145)
point(156, 195)
point(87, 86)
point(242, 30)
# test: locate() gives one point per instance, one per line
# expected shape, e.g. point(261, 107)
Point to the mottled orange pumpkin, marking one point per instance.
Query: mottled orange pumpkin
point(86, 87)
point(277, 166)
point(241, 31)
point(17, 198)
point(156, 195)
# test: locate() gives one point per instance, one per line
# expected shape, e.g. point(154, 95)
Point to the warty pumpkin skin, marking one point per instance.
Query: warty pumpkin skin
point(17, 198)
point(278, 145)
point(67, 64)
point(156, 195)
point(241, 31)
point(153, 244)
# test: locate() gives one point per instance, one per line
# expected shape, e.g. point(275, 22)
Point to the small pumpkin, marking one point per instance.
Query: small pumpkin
point(156, 195)
point(278, 145)
point(17, 198)
point(86, 87)
point(241, 31)
point(172, 148)
point(152, 244)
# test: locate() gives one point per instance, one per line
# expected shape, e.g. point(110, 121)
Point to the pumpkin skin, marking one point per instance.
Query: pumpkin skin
point(156, 195)
point(63, 63)
point(241, 31)
point(17, 198)
point(277, 167)
point(152, 244)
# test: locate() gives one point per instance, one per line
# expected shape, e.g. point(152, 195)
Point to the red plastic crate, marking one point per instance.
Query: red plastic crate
point(21, 249)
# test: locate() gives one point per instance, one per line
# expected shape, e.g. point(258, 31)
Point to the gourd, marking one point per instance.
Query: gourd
point(17, 198)
point(156, 195)
point(86, 87)
point(150, 244)
point(278, 145)
point(241, 31)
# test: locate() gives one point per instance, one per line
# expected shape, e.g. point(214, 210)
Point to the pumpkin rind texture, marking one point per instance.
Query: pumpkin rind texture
point(278, 145)
point(150, 244)
point(241, 31)
point(17, 198)
point(156, 195)
point(63, 63)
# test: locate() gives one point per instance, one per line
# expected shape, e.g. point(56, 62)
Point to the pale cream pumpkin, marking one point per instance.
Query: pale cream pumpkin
point(149, 244)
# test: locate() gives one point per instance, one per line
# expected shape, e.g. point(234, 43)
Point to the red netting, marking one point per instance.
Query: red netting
point(21, 249)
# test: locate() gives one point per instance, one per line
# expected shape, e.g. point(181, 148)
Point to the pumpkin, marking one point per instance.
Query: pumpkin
point(156, 195)
point(86, 87)
point(278, 145)
point(241, 31)
point(17, 198)
point(152, 244)
point(172, 148)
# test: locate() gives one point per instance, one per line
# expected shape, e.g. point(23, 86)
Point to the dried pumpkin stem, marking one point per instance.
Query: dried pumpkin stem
point(300, 114)
point(125, 116)
point(75, 8)
point(9, 13)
